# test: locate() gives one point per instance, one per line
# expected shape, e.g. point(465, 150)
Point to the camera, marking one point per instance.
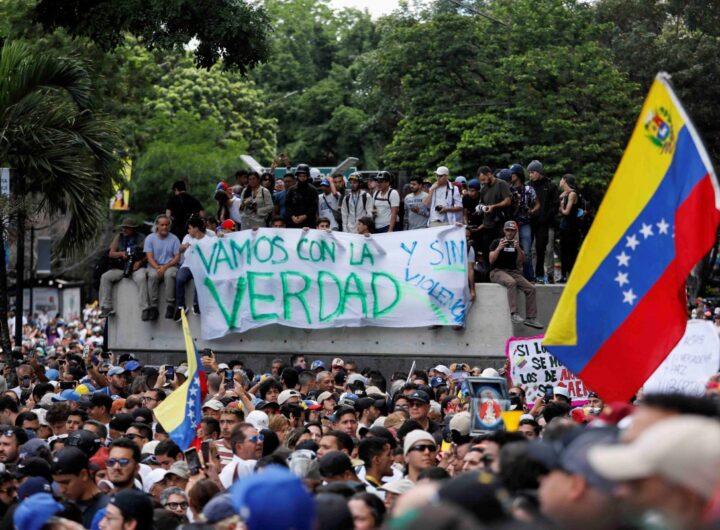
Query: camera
point(252, 206)
point(438, 208)
point(480, 208)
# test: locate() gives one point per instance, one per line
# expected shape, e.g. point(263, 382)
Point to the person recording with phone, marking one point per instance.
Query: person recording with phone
point(506, 261)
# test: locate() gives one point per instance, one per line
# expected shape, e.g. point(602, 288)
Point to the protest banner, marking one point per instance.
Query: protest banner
point(536, 369)
point(317, 279)
point(691, 363)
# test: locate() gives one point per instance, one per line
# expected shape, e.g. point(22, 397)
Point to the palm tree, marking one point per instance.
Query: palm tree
point(63, 156)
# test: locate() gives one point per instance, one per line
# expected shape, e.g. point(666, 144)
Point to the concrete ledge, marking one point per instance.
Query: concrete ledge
point(487, 330)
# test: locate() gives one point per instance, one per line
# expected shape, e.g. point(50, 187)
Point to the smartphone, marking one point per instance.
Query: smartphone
point(548, 393)
point(193, 460)
point(94, 359)
point(228, 377)
point(67, 385)
point(169, 373)
point(205, 450)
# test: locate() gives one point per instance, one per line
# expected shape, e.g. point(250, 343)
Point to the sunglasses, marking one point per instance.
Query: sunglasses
point(112, 462)
point(133, 436)
point(257, 438)
point(177, 505)
point(417, 404)
point(423, 448)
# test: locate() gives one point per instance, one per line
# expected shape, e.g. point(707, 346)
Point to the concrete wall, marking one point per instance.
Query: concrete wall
point(488, 328)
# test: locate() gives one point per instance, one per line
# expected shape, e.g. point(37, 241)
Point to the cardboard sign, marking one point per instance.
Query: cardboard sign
point(689, 366)
point(535, 369)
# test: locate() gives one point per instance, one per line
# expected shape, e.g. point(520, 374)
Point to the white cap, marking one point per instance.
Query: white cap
point(223, 366)
point(398, 486)
point(460, 422)
point(325, 395)
point(337, 361)
point(287, 394)
point(315, 173)
point(561, 390)
point(490, 372)
point(684, 450)
point(442, 369)
point(435, 407)
point(149, 448)
point(258, 419)
point(152, 478)
point(442, 170)
point(213, 404)
point(356, 377)
point(416, 436)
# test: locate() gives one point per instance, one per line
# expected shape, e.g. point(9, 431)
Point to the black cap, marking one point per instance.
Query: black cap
point(334, 463)
point(143, 415)
point(34, 467)
point(69, 461)
point(366, 402)
point(135, 505)
point(419, 395)
point(121, 422)
point(88, 442)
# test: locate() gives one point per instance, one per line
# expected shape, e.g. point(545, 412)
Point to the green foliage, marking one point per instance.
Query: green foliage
point(63, 153)
point(232, 32)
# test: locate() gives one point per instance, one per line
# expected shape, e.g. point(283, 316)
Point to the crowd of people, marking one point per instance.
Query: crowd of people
point(310, 446)
point(507, 220)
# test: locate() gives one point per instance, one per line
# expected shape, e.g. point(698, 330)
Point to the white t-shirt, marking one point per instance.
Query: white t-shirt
point(190, 240)
point(327, 203)
point(445, 197)
point(383, 204)
point(237, 469)
point(234, 209)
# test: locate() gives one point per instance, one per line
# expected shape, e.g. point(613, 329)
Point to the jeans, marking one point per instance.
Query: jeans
point(184, 275)
point(525, 235)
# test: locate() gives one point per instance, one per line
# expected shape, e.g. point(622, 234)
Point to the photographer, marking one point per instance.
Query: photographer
point(256, 204)
point(506, 260)
point(444, 200)
point(126, 259)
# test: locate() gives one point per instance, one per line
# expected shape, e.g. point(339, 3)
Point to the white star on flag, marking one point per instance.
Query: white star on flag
point(623, 260)
point(629, 297)
point(632, 241)
point(191, 413)
point(646, 230)
point(622, 278)
point(662, 226)
point(193, 391)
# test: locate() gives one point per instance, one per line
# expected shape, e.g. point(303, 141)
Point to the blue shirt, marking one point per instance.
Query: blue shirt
point(163, 250)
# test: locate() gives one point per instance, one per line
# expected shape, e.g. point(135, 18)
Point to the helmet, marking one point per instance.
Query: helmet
point(315, 173)
point(302, 168)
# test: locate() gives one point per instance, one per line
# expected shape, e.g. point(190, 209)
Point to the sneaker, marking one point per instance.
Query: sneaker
point(178, 314)
point(533, 323)
point(170, 312)
point(145, 315)
point(516, 318)
point(106, 312)
point(153, 313)
point(541, 280)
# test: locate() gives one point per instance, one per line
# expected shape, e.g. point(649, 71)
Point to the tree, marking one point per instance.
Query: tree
point(232, 32)
point(63, 155)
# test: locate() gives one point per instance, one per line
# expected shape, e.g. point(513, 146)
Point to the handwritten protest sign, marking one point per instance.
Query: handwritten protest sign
point(689, 366)
point(316, 279)
point(535, 369)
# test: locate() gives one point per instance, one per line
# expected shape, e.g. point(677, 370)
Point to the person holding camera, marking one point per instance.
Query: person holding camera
point(506, 260)
point(256, 204)
point(495, 200)
point(444, 200)
point(126, 259)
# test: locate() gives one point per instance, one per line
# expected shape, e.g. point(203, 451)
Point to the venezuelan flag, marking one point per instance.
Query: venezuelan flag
point(624, 307)
point(180, 412)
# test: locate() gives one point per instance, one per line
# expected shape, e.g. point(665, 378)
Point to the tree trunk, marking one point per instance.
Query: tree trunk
point(4, 328)
point(19, 260)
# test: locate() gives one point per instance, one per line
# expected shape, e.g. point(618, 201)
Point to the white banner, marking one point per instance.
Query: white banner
point(536, 370)
point(689, 366)
point(315, 279)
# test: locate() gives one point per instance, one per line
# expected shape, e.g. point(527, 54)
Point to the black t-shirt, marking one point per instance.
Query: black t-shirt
point(91, 506)
point(507, 259)
point(474, 218)
point(182, 206)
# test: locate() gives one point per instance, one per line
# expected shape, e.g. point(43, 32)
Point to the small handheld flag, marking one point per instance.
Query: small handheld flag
point(624, 307)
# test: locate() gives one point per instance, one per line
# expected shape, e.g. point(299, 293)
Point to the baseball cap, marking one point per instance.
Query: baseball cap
point(474, 184)
point(357, 378)
point(398, 486)
point(325, 182)
point(442, 369)
point(437, 381)
point(133, 365)
point(365, 403)
point(419, 395)
point(570, 453)
point(33, 467)
point(287, 394)
point(116, 370)
point(220, 507)
point(460, 422)
point(317, 365)
point(326, 395)
point(67, 395)
point(88, 442)
point(684, 450)
point(261, 405)
point(152, 478)
point(52, 374)
point(442, 170)
point(134, 504)
point(334, 463)
point(258, 419)
point(255, 499)
point(69, 461)
point(460, 179)
point(180, 468)
point(416, 436)
point(32, 486)
point(32, 447)
point(213, 404)
point(561, 390)
point(337, 362)
point(35, 511)
point(510, 225)
point(228, 224)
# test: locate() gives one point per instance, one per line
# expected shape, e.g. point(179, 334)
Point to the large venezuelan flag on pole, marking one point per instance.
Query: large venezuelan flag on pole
point(624, 307)
point(180, 412)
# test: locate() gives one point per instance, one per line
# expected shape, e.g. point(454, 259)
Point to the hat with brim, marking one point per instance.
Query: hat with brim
point(127, 222)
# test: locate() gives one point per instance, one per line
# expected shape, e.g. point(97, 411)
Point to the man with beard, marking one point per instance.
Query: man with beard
point(73, 479)
point(301, 201)
point(122, 463)
point(11, 438)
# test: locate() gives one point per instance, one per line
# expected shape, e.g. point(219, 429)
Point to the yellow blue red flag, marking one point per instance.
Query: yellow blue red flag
point(624, 307)
point(180, 412)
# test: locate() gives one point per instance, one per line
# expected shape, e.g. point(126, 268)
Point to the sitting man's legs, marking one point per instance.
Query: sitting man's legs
point(140, 278)
point(505, 279)
point(530, 300)
point(169, 280)
point(107, 280)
